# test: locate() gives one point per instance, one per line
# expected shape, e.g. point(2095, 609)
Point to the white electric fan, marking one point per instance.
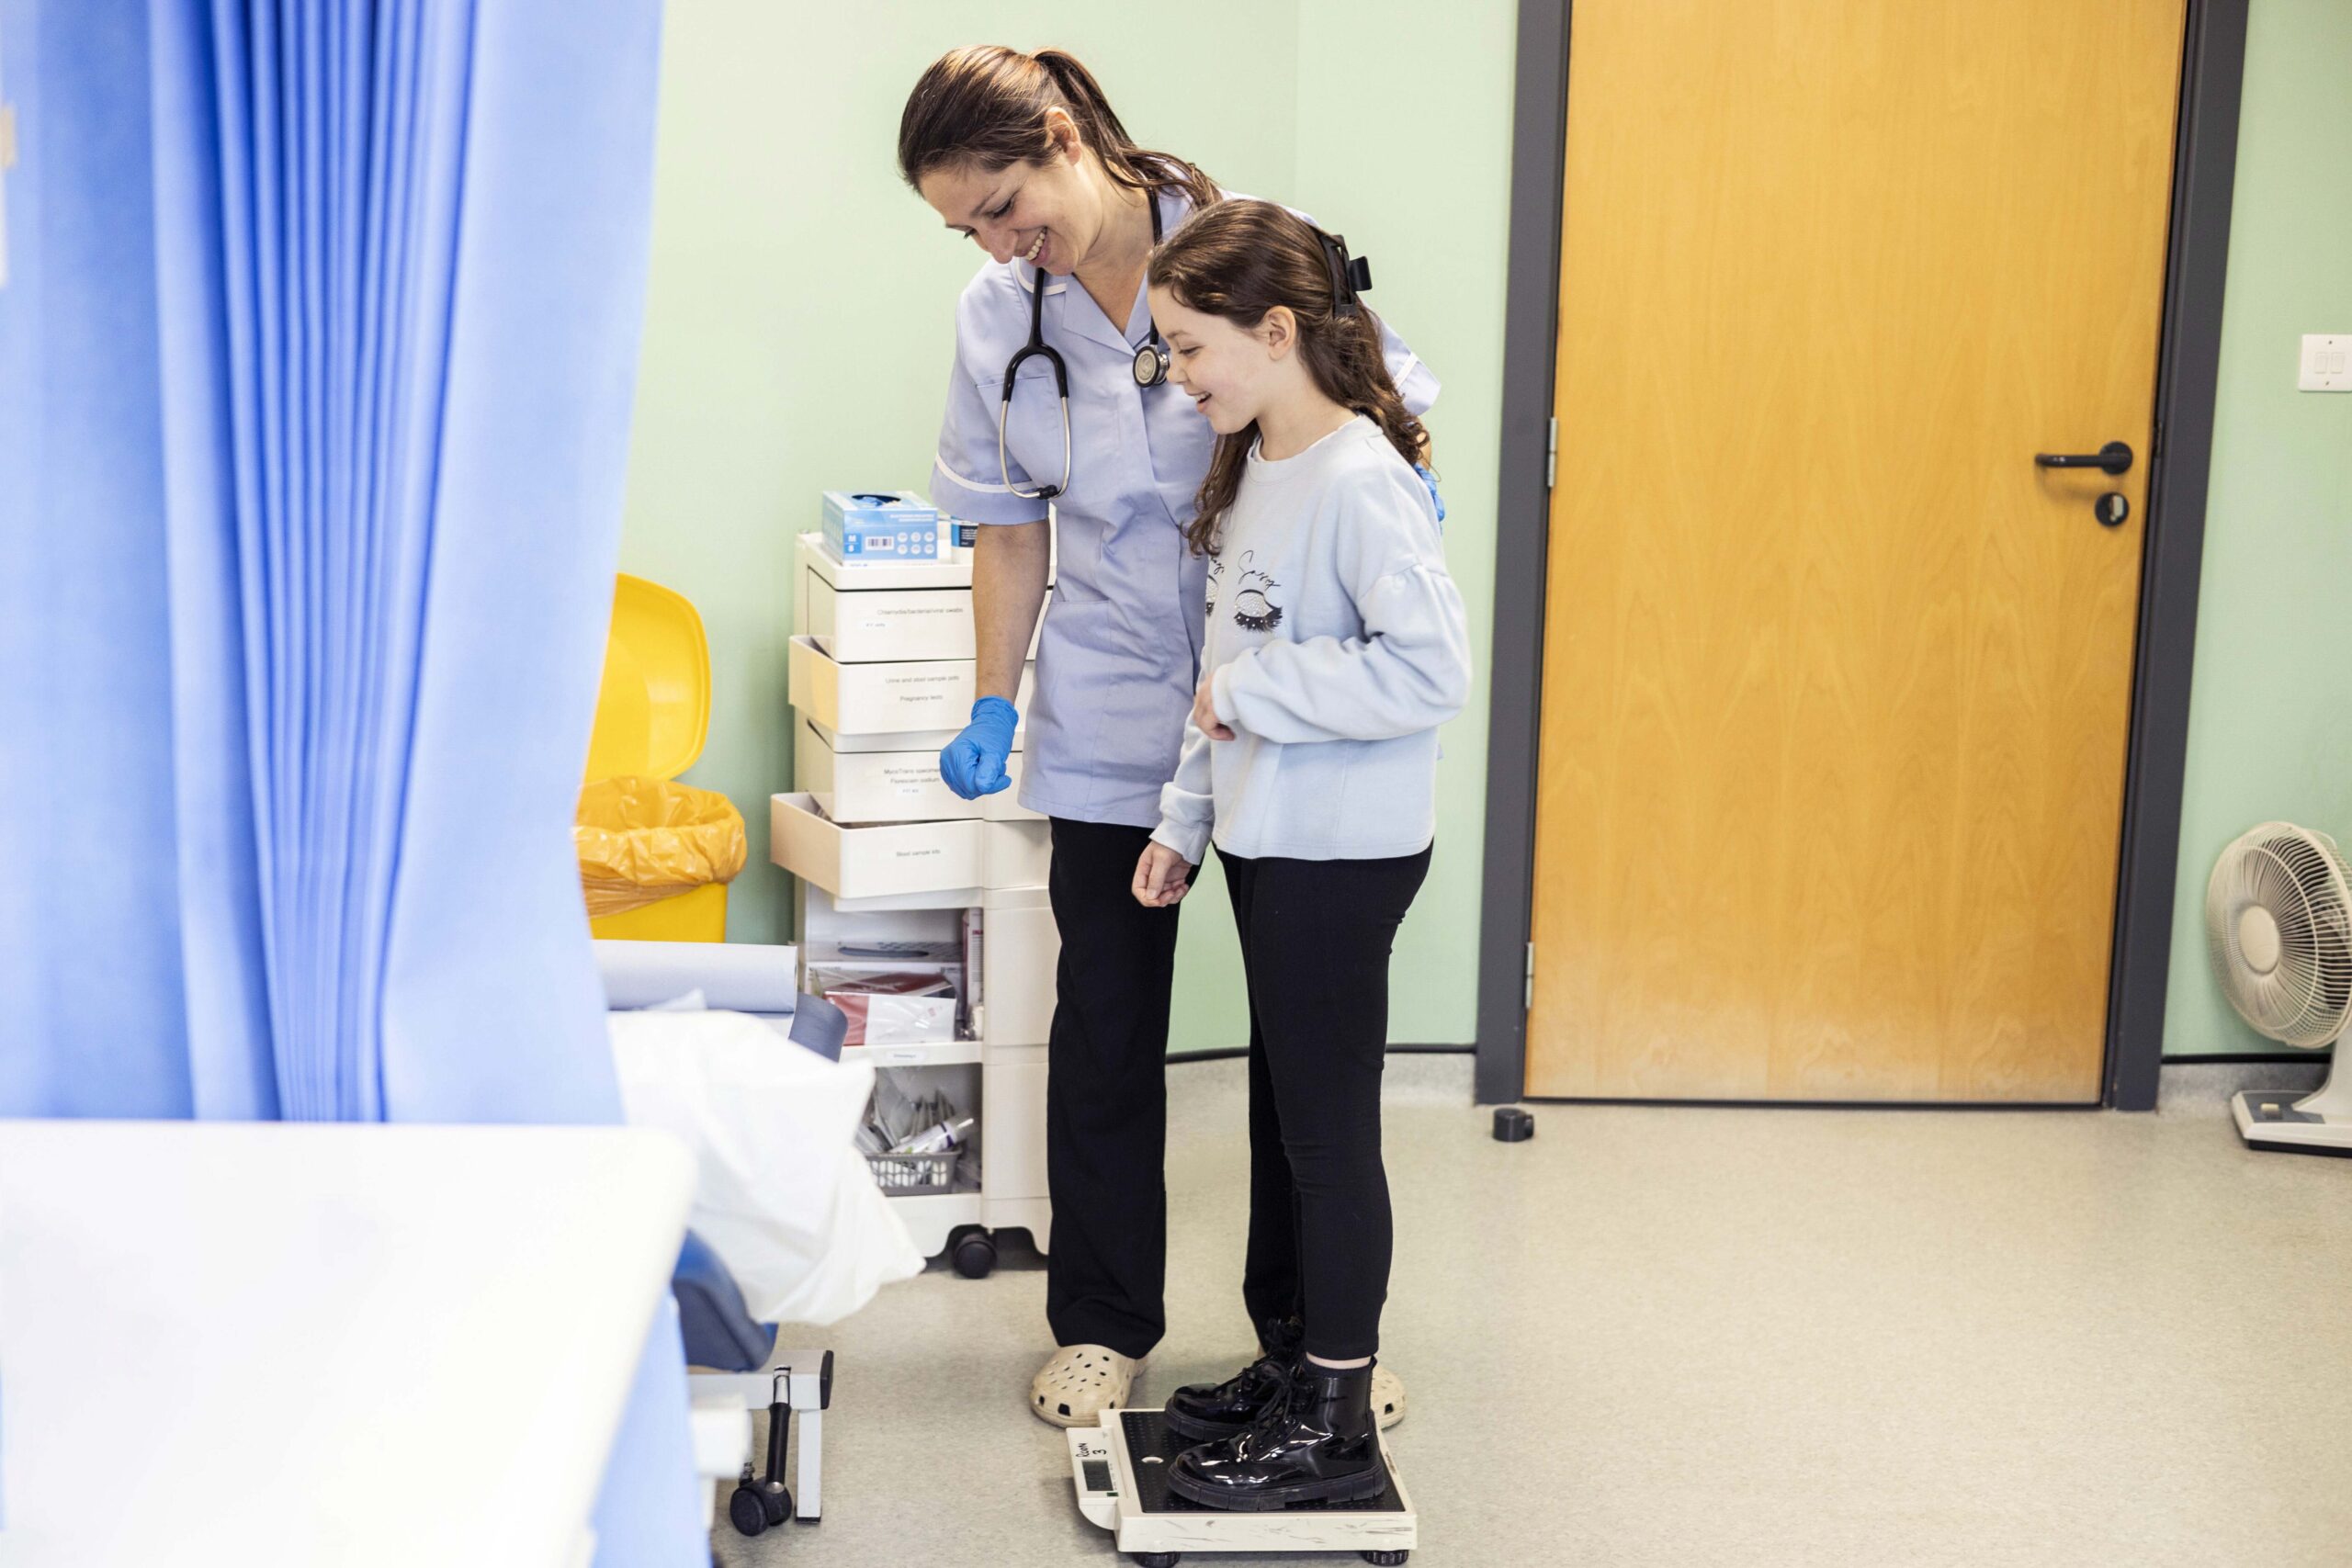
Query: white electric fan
point(2279, 915)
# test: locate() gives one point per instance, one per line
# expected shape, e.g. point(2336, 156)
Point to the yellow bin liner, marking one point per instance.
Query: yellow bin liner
point(655, 855)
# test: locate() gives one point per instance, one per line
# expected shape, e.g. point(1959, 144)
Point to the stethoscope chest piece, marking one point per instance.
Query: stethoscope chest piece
point(1151, 359)
point(1151, 362)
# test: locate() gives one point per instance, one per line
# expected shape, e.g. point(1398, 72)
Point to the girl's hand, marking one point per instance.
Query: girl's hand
point(1204, 717)
point(1162, 876)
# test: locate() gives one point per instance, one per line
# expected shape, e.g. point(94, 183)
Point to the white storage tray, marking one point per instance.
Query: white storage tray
point(886, 699)
point(888, 778)
point(895, 623)
point(857, 787)
point(1005, 805)
point(871, 862)
point(952, 569)
point(928, 741)
point(862, 629)
point(880, 699)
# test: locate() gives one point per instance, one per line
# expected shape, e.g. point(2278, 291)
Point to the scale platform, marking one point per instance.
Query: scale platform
point(1120, 1471)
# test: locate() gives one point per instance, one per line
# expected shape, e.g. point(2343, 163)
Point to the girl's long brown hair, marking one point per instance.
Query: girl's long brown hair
point(986, 105)
point(1240, 259)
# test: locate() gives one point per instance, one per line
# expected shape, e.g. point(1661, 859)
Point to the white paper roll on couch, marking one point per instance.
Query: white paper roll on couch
point(734, 976)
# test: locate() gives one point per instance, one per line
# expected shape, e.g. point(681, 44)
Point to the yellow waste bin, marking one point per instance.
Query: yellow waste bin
point(655, 855)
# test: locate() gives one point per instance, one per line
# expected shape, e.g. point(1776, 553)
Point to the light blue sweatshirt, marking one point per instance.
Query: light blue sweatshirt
point(1339, 645)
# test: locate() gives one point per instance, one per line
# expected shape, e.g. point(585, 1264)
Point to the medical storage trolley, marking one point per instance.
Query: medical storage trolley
point(887, 856)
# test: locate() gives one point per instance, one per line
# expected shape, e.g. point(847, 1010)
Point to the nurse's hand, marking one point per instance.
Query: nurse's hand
point(1204, 717)
point(1162, 876)
point(973, 764)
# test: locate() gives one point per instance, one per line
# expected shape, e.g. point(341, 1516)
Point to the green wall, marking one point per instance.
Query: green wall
point(2270, 713)
point(800, 305)
point(797, 340)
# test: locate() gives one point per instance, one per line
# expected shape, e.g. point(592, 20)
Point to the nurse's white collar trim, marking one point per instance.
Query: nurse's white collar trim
point(1026, 276)
point(940, 463)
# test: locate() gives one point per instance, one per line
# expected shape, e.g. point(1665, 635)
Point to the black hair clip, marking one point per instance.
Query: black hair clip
point(1351, 275)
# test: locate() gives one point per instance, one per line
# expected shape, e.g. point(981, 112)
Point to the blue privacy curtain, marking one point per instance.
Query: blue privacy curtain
point(316, 347)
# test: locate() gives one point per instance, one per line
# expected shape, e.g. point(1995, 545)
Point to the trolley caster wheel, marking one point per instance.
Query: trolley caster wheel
point(754, 1507)
point(1386, 1559)
point(1159, 1559)
point(975, 1255)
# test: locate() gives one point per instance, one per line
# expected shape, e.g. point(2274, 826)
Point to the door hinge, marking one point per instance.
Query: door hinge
point(1551, 452)
point(1530, 1002)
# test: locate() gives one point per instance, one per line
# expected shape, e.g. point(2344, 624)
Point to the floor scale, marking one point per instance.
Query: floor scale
point(1121, 1467)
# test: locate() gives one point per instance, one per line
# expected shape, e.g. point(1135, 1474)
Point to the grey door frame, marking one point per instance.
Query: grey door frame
point(2204, 168)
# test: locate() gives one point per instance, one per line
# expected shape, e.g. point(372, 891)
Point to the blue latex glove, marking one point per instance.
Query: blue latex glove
point(1430, 480)
point(973, 764)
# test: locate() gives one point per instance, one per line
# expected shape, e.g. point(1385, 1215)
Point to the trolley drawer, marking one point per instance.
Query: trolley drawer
point(855, 787)
point(865, 629)
point(886, 699)
point(852, 861)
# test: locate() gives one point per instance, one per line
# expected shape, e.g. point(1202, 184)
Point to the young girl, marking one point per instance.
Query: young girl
point(1335, 646)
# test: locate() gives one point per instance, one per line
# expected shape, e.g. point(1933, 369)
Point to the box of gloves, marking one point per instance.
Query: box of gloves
point(881, 526)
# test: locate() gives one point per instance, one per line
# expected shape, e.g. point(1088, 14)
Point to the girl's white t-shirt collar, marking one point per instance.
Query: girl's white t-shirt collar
point(1256, 444)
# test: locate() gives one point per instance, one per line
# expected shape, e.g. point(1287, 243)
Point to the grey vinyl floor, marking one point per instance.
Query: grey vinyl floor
point(1687, 1337)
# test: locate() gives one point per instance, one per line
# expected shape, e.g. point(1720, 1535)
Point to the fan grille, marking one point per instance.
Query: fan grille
point(2298, 878)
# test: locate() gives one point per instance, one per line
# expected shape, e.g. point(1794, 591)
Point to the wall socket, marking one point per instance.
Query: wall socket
point(2327, 362)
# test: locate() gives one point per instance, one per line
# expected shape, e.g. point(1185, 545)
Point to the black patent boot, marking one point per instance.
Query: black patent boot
point(1320, 1445)
point(1206, 1412)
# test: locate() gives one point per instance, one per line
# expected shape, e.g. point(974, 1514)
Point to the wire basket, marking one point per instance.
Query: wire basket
point(915, 1176)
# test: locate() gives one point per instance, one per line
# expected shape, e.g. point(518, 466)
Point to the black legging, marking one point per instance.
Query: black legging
point(1315, 943)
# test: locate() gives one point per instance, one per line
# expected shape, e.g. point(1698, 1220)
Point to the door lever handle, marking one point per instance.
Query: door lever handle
point(2114, 458)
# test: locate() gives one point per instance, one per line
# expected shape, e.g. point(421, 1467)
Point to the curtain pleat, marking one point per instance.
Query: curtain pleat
point(342, 149)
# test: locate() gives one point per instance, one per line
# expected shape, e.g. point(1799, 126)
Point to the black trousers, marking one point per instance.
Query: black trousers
point(1106, 1086)
point(1106, 1094)
point(1315, 938)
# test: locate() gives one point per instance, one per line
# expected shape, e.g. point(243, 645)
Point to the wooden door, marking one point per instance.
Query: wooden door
point(1836, 679)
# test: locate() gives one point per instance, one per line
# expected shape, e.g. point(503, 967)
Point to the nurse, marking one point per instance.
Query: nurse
point(1022, 154)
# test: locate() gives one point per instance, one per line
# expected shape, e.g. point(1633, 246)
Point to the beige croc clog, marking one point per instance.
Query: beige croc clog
point(1080, 1383)
point(1387, 1396)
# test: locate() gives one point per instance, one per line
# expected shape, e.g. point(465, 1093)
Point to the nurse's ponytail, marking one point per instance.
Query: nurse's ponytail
point(986, 105)
point(1240, 259)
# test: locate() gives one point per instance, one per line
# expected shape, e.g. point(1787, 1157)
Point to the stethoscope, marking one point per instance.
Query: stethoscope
point(1150, 371)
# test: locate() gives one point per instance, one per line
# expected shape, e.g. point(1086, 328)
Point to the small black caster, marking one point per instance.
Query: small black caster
point(975, 1255)
point(1387, 1559)
point(755, 1506)
point(760, 1502)
point(1159, 1559)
